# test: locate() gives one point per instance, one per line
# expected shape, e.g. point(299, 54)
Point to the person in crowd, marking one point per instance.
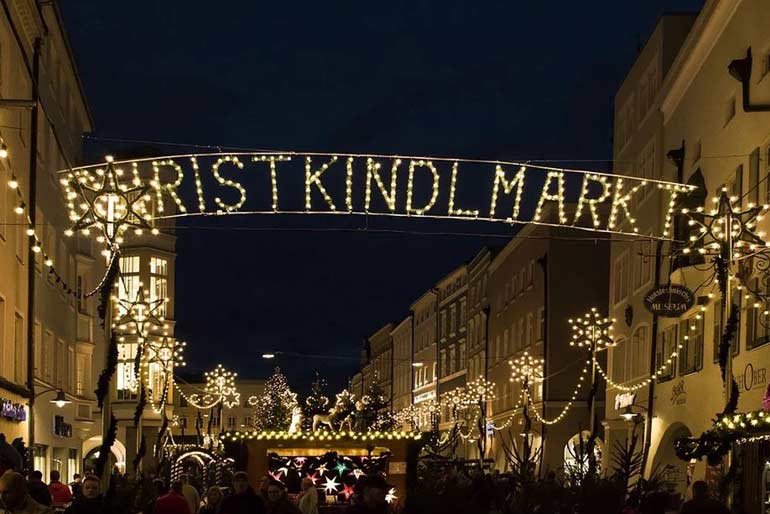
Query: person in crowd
point(15, 498)
point(213, 502)
point(156, 490)
point(88, 501)
point(60, 493)
point(277, 501)
point(173, 502)
point(308, 500)
point(38, 489)
point(10, 458)
point(702, 502)
point(264, 483)
point(243, 500)
point(76, 485)
point(190, 494)
point(374, 489)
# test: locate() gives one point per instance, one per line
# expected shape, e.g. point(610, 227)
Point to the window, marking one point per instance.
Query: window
point(735, 344)
point(756, 332)
point(60, 368)
point(443, 324)
point(452, 319)
point(443, 363)
point(541, 324)
point(461, 356)
point(81, 290)
point(497, 349)
point(183, 422)
point(248, 421)
point(81, 372)
point(664, 354)
point(159, 282)
point(691, 339)
point(462, 313)
point(230, 421)
point(128, 285)
point(452, 359)
point(38, 335)
point(619, 361)
point(506, 345)
point(508, 294)
point(530, 328)
point(643, 264)
point(521, 332)
point(754, 177)
point(736, 184)
point(620, 278)
point(48, 356)
point(646, 164)
point(636, 356)
point(126, 384)
point(19, 369)
point(472, 332)
point(730, 111)
point(72, 464)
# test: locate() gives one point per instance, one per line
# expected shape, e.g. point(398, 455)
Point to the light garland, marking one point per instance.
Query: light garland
point(592, 202)
point(314, 178)
point(551, 197)
point(285, 435)
point(410, 187)
point(272, 159)
point(568, 406)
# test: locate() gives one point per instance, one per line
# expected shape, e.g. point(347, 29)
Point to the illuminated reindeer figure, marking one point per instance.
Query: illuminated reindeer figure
point(325, 419)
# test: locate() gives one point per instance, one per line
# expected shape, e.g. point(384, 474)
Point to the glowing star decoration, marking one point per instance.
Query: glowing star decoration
point(592, 331)
point(107, 205)
point(357, 473)
point(231, 398)
point(322, 468)
point(276, 476)
point(167, 353)
point(527, 369)
point(347, 491)
point(300, 461)
point(331, 485)
point(726, 230)
point(313, 478)
point(136, 316)
point(341, 468)
point(391, 496)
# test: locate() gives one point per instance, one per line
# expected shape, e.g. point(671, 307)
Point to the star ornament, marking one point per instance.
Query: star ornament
point(313, 478)
point(357, 473)
point(106, 204)
point(341, 468)
point(231, 398)
point(347, 491)
point(391, 496)
point(726, 228)
point(527, 368)
point(592, 331)
point(137, 316)
point(322, 469)
point(167, 352)
point(331, 485)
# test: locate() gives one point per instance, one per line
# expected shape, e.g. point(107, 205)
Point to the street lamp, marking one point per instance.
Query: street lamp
point(60, 400)
point(268, 356)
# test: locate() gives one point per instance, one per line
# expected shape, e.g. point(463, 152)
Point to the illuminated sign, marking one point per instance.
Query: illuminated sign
point(117, 196)
point(623, 400)
point(12, 411)
point(670, 301)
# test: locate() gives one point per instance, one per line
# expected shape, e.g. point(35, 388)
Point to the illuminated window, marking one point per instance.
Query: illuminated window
point(126, 383)
point(159, 281)
point(691, 339)
point(620, 278)
point(128, 285)
point(664, 351)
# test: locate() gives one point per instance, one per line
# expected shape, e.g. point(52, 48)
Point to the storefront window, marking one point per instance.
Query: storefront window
point(39, 457)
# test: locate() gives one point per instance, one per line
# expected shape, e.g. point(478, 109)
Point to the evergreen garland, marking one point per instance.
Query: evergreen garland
point(106, 287)
point(106, 447)
point(103, 382)
point(727, 336)
point(139, 454)
point(161, 434)
point(140, 405)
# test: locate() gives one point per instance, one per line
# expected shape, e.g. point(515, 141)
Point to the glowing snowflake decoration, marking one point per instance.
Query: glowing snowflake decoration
point(592, 331)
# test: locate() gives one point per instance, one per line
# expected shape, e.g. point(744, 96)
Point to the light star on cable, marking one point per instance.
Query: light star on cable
point(108, 205)
point(331, 485)
point(527, 368)
point(313, 478)
point(592, 331)
point(137, 316)
point(341, 468)
point(725, 223)
point(167, 352)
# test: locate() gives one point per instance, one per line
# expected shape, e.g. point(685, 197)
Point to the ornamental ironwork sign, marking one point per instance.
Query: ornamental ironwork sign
point(12, 411)
point(669, 301)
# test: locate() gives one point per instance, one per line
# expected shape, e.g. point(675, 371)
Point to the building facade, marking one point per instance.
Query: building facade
point(380, 365)
point(542, 278)
point(452, 293)
point(424, 354)
point(640, 150)
point(50, 341)
point(401, 335)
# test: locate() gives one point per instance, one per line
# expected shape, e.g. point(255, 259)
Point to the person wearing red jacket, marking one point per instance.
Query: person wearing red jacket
point(60, 493)
point(174, 502)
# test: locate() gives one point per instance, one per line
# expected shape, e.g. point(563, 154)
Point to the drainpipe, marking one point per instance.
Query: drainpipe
point(32, 211)
point(543, 262)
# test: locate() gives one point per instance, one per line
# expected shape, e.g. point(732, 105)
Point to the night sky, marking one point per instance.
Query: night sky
point(475, 79)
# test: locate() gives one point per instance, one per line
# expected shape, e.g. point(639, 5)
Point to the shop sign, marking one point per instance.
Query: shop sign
point(12, 411)
point(623, 400)
point(752, 378)
point(679, 394)
point(670, 301)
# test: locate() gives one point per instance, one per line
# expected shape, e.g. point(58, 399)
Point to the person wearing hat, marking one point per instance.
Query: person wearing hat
point(374, 490)
point(243, 500)
point(14, 497)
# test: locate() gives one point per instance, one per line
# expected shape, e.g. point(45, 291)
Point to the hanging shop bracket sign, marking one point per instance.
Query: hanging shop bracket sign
point(12, 411)
point(669, 301)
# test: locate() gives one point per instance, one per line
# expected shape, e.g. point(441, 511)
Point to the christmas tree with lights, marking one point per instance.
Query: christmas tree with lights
point(375, 404)
point(273, 408)
point(317, 402)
